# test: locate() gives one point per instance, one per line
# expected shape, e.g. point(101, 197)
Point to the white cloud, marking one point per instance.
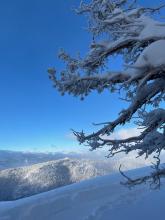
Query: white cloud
point(126, 133)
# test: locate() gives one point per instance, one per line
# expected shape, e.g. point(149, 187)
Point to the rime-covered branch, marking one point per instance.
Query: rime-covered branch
point(119, 27)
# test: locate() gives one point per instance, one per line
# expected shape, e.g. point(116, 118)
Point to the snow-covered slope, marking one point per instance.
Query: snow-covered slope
point(26, 181)
point(102, 198)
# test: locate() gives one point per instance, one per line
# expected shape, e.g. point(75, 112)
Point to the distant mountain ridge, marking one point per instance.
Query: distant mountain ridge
point(14, 159)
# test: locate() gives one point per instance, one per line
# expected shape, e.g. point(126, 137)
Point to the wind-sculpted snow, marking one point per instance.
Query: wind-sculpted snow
point(102, 198)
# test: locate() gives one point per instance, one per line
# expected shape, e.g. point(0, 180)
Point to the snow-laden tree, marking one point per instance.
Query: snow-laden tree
point(121, 27)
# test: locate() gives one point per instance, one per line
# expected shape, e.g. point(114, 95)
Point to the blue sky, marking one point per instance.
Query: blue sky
point(33, 115)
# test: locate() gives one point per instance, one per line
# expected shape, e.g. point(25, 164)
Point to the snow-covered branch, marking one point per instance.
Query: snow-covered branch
point(119, 27)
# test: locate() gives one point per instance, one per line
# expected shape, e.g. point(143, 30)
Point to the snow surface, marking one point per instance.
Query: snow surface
point(102, 198)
